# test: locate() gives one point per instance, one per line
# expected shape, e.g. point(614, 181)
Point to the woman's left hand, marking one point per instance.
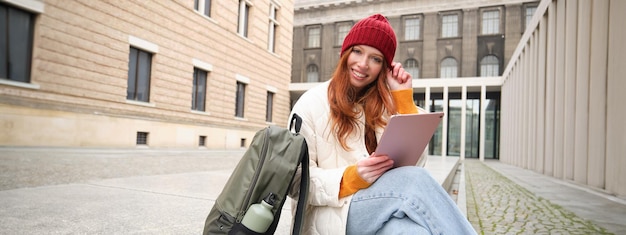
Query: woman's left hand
point(398, 78)
point(372, 167)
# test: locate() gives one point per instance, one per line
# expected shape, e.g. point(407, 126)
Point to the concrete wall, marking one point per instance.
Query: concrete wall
point(563, 92)
point(80, 73)
point(61, 128)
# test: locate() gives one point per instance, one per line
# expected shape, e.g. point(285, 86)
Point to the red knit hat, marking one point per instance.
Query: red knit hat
point(373, 31)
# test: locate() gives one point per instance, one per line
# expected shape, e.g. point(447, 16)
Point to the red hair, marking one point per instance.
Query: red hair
point(375, 99)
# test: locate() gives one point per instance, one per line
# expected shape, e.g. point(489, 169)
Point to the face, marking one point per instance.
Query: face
point(364, 63)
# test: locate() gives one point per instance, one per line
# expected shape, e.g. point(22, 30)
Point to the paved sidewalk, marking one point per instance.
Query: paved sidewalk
point(503, 199)
point(33, 166)
point(111, 191)
point(148, 191)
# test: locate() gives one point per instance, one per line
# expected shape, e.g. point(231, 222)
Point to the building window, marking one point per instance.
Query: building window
point(412, 68)
point(273, 27)
point(16, 43)
point(342, 30)
point(239, 102)
point(449, 68)
point(269, 106)
point(489, 66)
point(139, 67)
point(314, 34)
point(203, 6)
point(450, 26)
point(244, 12)
point(142, 138)
point(202, 141)
point(312, 73)
point(529, 12)
point(411, 28)
point(491, 22)
point(198, 95)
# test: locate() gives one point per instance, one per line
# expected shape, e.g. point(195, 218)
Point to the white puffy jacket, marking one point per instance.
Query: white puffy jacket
point(326, 212)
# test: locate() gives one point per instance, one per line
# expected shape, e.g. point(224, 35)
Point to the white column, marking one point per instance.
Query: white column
point(597, 94)
point(463, 119)
point(427, 99)
point(444, 127)
point(483, 112)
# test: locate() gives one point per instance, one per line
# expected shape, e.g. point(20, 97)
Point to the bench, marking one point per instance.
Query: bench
point(448, 171)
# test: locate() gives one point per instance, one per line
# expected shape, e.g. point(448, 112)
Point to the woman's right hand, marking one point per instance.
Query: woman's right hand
point(398, 78)
point(372, 167)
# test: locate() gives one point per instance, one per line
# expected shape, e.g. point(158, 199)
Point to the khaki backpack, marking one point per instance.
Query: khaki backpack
point(268, 166)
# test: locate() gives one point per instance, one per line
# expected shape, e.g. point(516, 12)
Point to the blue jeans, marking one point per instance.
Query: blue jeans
point(406, 200)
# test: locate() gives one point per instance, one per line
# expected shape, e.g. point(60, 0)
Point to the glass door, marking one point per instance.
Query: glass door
point(492, 128)
point(472, 124)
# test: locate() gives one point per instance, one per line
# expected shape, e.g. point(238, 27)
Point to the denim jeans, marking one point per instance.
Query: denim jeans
point(406, 200)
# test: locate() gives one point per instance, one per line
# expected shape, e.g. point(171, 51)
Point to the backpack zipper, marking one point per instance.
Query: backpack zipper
point(257, 172)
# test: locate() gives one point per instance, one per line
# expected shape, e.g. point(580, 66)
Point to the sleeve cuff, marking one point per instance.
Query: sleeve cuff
point(404, 101)
point(351, 182)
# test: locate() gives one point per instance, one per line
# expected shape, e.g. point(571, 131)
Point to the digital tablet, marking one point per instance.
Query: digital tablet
point(406, 136)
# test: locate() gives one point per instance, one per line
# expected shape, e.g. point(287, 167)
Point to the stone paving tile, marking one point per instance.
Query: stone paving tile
point(496, 205)
point(33, 167)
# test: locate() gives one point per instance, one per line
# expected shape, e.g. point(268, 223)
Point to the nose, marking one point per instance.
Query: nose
point(363, 62)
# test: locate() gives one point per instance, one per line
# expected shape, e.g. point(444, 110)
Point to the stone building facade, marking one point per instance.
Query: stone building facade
point(468, 43)
point(179, 74)
point(428, 32)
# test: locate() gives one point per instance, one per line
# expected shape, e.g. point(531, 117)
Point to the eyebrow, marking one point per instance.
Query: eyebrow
point(375, 53)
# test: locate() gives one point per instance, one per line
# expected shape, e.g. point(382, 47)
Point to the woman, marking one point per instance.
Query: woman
point(352, 190)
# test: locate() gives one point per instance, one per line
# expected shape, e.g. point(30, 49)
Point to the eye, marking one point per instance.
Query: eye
point(377, 59)
point(356, 51)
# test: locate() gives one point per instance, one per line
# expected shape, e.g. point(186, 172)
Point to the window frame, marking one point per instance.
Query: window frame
point(443, 72)
point(243, 18)
point(317, 40)
point(22, 57)
point(526, 19)
point(135, 78)
point(202, 141)
point(240, 100)
point(269, 105)
point(408, 66)
point(240, 95)
point(341, 32)
point(484, 66)
point(203, 7)
point(309, 73)
point(443, 24)
point(417, 31)
point(272, 27)
point(142, 138)
point(199, 90)
point(490, 26)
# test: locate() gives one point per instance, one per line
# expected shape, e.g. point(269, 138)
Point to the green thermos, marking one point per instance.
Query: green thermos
point(259, 216)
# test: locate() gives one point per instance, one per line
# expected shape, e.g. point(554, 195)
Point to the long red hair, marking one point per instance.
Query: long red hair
point(375, 99)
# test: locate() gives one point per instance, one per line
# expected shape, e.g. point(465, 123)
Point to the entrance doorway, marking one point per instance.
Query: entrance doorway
point(472, 124)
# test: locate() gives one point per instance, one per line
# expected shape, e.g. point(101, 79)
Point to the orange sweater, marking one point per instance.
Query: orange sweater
point(351, 181)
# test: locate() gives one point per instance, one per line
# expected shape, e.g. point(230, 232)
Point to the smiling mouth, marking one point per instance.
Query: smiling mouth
point(359, 75)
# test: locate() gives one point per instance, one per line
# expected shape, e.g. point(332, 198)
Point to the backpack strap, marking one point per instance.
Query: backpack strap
point(303, 197)
point(304, 179)
point(297, 121)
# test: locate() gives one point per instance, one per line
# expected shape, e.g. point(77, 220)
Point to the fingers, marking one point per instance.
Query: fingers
point(402, 76)
point(371, 168)
point(399, 73)
point(381, 168)
point(372, 175)
point(395, 69)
